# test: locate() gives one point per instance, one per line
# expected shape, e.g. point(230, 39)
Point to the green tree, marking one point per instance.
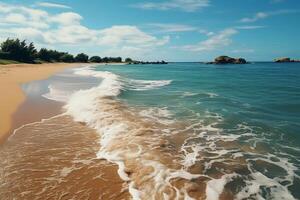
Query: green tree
point(81, 57)
point(44, 54)
point(128, 60)
point(19, 50)
point(95, 59)
point(117, 59)
point(32, 52)
point(112, 59)
point(15, 49)
point(67, 58)
point(105, 59)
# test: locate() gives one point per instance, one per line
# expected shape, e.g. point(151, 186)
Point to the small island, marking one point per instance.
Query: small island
point(228, 60)
point(285, 60)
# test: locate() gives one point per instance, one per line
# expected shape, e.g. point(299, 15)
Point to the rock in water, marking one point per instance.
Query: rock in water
point(228, 60)
point(280, 60)
point(283, 60)
point(240, 61)
point(224, 60)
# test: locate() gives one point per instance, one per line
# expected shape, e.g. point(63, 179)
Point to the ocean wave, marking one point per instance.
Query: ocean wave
point(159, 160)
point(189, 94)
point(126, 83)
point(128, 141)
point(162, 115)
point(201, 94)
point(57, 94)
point(142, 85)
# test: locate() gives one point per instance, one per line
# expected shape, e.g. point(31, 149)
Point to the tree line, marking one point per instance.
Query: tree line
point(15, 49)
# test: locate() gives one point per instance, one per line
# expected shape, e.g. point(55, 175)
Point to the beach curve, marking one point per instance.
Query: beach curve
point(11, 76)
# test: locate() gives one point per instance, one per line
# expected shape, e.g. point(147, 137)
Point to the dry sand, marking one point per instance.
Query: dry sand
point(11, 95)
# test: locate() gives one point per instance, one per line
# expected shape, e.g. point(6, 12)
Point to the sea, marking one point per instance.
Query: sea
point(175, 131)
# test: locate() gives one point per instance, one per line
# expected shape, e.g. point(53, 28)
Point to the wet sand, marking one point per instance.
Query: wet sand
point(102, 148)
point(53, 158)
point(11, 76)
point(56, 159)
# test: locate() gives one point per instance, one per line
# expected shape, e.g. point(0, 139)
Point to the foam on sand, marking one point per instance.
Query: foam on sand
point(57, 94)
point(163, 159)
point(126, 140)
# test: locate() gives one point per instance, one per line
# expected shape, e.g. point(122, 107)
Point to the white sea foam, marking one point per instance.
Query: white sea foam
point(215, 187)
point(97, 107)
point(33, 123)
point(129, 84)
point(162, 115)
point(208, 136)
point(205, 94)
point(142, 85)
point(189, 94)
point(57, 94)
point(259, 180)
point(212, 95)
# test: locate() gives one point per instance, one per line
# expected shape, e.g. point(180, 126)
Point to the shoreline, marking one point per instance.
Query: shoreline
point(69, 154)
point(11, 78)
point(103, 139)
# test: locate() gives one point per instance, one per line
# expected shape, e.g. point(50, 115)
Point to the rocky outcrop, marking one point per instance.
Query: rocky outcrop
point(228, 60)
point(285, 59)
point(240, 61)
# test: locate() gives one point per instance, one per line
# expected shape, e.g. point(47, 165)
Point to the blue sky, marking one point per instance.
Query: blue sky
point(174, 30)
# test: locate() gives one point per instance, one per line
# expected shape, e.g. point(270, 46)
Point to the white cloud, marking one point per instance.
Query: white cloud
point(22, 16)
point(25, 33)
point(257, 16)
point(66, 18)
point(4, 8)
point(15, 18)
point(129, 35)
point(184, 5)
point(214, 42)
point(170, 28)
point(176, 28)
point(52, 5)
point(206, 32)
point(65, 28)
point(249, 27)
point(71, 34)
point(263, 15)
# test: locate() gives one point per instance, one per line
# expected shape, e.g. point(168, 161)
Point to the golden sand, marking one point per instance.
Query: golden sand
point(11, 95)
point(40, 162)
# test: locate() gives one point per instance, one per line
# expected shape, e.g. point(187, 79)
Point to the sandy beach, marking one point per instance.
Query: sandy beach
point(139, 132)
point(59, 164)
point(11, 76)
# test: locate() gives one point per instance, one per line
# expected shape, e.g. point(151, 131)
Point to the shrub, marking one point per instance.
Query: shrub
point(95, 59)
point(82, 58)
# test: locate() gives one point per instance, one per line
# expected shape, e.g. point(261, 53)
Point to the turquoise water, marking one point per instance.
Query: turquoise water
point(176, 131)
point(256, 105)
point(263, 95)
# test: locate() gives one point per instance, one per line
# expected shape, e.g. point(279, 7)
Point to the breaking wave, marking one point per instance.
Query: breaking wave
point(162, 158)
